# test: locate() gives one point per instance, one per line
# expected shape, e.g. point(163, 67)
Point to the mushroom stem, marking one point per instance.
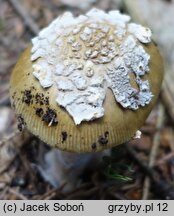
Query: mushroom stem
point(65, 167)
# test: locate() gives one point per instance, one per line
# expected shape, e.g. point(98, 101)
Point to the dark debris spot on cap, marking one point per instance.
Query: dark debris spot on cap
point(27, 97)
point(33, 87)
point(106, 133)
point(64, 136)
point(40, 99)
point(94, 146)
point(46, 100)
point(39, 112)
point(21, 122)
point(13, 96)
point(50, 117)
point(103, 140)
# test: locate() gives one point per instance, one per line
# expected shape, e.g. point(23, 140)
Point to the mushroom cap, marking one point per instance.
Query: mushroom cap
point(39, 112)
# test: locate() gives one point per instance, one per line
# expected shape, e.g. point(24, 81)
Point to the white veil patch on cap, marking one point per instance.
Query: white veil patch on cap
point(83, 56)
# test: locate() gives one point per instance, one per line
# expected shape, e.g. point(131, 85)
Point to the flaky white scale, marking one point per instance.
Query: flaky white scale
point(82, 68)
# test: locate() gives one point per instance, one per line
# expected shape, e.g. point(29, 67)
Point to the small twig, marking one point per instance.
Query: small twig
point(142, 164)
point(27, 166)
point(154, 150)
point(168, 97)
point(53, 193)
point(19, 196)
point(9, 148)
point(82, 193)
point(10, 137)
point(160, 187)
point(79, 189)
point(29, 22)
point(171, 160)
point(164, 159)
point(117, 195)
point(3, 193)
point(131, 186)
point(171, 139)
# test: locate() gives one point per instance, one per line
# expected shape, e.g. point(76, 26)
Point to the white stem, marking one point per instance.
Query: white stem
point(65, 167)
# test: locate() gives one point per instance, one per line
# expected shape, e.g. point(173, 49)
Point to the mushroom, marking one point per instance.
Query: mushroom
point(86, 84)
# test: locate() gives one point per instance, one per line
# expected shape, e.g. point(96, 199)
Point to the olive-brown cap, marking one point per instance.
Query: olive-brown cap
point(72, 109)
